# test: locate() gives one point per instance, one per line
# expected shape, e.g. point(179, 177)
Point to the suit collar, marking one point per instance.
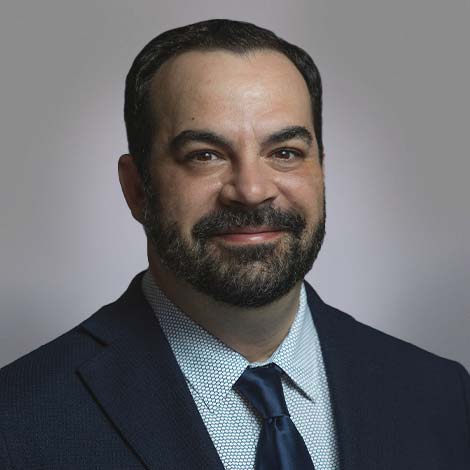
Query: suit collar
point(138, 383)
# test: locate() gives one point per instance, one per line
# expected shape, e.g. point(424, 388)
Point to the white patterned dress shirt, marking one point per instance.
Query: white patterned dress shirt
point(211, 368)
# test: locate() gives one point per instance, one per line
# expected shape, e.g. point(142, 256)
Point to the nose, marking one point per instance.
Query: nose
point(250, 183)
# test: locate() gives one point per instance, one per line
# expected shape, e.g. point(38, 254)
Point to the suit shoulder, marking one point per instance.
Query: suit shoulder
point(53, 366)
point(388, 346)
point(47, 366)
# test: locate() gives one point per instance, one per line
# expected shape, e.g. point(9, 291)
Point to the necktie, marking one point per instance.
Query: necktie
point(280, 445)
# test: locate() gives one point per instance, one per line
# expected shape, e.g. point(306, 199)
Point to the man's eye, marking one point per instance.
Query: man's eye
point(203, 157)
point(287, 154)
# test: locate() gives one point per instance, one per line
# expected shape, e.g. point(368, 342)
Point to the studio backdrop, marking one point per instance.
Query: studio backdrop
point(396, 124)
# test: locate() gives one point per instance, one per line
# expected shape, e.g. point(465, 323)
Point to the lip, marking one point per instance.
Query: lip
point(249, 230)
point(250, 235)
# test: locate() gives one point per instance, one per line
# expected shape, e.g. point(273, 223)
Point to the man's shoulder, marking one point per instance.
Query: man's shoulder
point(345, 331)
point(47, 366)
point(53, 368)
point(407, 361)
point(71, 349)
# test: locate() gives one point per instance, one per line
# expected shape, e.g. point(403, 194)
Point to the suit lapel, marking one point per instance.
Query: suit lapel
point(140, 387)
point(360, 390)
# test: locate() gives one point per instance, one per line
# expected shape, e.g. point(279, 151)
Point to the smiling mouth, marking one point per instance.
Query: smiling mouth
point(250, 235)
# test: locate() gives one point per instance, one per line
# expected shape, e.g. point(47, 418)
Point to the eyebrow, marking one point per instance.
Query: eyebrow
point(289, 133)
point(189, 135)
point(209, 137)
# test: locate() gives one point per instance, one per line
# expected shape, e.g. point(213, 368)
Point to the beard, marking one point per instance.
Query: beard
point(242, 275)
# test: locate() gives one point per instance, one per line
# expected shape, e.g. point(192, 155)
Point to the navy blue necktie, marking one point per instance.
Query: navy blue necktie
point(280, 445)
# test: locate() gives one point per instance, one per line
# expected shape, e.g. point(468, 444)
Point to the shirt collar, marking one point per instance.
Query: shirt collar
point(212, 368)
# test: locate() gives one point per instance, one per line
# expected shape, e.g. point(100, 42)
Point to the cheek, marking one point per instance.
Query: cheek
point(185, 202)
point(305, 192)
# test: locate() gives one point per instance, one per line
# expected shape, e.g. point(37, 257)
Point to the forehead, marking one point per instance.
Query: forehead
point(229, 92)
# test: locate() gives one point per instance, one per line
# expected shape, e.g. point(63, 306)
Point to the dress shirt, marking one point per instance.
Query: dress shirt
point(211, 368)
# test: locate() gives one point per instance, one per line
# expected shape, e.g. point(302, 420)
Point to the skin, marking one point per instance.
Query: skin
point(262, 94)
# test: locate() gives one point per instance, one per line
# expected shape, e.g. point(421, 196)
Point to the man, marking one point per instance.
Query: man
point(220, 355)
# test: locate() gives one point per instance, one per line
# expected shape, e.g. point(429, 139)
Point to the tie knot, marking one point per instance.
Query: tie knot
point(262, 387)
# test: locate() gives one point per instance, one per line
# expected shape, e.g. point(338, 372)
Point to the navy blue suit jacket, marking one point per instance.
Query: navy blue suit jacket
point(109, 395)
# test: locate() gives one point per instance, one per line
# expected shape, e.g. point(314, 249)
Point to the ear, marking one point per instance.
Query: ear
point(132, 186)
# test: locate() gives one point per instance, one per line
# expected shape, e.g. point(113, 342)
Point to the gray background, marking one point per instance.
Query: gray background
point(396, 127)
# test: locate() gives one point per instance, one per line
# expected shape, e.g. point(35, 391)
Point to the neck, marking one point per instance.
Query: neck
point(255, 333)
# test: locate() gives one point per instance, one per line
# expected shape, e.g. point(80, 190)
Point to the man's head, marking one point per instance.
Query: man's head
point(224, 128)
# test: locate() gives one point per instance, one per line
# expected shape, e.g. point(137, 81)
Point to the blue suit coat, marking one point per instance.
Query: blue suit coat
point(109, 394)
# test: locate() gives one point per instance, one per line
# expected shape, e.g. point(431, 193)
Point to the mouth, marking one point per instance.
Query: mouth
point(250, 234)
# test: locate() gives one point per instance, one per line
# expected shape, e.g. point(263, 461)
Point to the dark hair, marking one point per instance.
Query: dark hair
point(234, 36)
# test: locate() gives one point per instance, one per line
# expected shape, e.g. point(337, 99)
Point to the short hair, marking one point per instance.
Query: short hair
point(216, 34)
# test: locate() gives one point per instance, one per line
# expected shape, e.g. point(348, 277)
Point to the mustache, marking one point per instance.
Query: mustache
point(225, 219)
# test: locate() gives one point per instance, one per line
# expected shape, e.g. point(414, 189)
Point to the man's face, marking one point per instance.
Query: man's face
point(234, 147)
